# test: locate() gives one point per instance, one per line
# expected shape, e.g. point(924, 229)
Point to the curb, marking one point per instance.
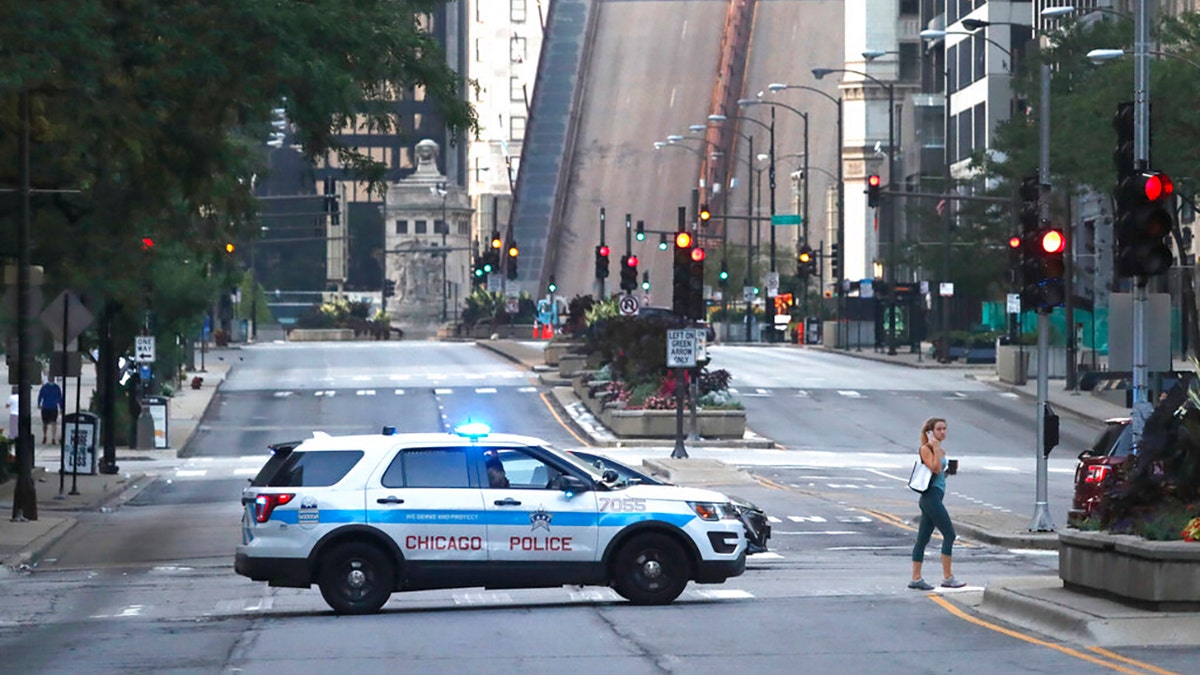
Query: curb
point(1052, 619)
point(1030, 540)
point(185, 449)
point(32, 552)
point(927, 364)
point(1058, 405)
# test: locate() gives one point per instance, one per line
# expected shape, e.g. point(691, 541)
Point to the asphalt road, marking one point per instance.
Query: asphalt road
point(149, 586)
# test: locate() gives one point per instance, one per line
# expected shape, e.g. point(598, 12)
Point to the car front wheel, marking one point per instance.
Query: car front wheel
point(356, 578)
point(651, 569)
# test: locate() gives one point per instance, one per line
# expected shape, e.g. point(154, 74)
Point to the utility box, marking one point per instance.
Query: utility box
point(159, 409)
point(81, 429)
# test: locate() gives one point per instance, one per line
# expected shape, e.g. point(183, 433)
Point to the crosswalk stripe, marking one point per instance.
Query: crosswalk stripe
point(441, 392)
point(365, 392)
point(485, 390)
point(807, 519)
point(191, 473)
point(398, 392)
point(849, 393)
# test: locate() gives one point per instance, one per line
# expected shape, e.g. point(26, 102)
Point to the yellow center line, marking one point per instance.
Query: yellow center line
point(949, 607)
point(546, 401)
point(770, 483)
point(1125, 659)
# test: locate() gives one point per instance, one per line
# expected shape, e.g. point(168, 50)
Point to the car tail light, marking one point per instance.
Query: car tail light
point(1097, 473)
point(264, 504)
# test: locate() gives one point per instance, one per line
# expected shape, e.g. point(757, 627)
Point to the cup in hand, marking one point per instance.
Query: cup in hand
point(951, 467)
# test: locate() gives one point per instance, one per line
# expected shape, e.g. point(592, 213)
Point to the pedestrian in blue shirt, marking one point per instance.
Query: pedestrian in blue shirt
point(51, 402)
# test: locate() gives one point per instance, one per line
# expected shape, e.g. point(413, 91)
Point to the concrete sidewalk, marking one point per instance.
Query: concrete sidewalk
point(21, 542)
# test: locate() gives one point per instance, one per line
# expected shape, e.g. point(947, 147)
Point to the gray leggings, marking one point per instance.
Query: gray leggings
point(933, 514)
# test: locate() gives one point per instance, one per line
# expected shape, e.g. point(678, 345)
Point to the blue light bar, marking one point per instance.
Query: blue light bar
point(473, 430)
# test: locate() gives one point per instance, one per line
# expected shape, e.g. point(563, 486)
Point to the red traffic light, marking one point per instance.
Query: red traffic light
point(1014, 242)
point(683, 240)
point(873, 180)
point(698, 254)
point(631, 261)
point(147, 243)
point(603, 251)
point(1158, 186)
point(1053, 241)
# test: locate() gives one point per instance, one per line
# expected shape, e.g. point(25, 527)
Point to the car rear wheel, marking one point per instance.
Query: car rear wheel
point(356, 578)
point(651, 569)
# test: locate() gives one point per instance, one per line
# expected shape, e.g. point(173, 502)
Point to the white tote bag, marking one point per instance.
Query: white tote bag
point(918, 481)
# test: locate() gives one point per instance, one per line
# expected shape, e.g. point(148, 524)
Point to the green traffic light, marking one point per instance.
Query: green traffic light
point(487, 268)
point(724, 275)
point(641, 236)
point(552, 287)
point(645, 285)
point(478, 272)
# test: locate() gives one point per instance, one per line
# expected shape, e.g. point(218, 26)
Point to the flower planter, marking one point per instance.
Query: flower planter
point(660, 423)
point(570, 365)
point(1156, 575)
point(556, 350)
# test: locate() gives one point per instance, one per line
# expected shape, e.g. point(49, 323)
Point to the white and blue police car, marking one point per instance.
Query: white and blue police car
point(365, 516)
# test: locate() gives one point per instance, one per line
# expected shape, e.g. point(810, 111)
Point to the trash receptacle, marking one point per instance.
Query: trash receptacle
point(158, 407)
point(80, 430)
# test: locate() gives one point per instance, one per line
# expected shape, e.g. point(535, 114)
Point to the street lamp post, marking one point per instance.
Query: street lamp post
point(889, 269)
point(841, 194)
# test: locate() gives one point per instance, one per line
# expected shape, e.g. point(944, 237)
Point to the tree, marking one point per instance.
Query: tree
point(156, 111)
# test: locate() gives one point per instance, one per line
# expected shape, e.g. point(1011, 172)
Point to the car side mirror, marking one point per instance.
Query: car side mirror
point(572, 484)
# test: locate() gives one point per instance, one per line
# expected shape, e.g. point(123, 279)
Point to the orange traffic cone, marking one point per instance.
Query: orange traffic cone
point(536, 332)
point(548, 333)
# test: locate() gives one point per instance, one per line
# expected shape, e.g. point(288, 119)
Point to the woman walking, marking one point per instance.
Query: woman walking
point(933, 512)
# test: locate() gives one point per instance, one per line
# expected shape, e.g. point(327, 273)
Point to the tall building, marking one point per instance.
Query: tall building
point(505, 41)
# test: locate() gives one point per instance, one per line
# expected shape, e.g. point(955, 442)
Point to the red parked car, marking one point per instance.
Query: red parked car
point(1095, 466)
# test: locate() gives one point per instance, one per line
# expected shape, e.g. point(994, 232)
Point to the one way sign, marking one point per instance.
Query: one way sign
point(143, 349)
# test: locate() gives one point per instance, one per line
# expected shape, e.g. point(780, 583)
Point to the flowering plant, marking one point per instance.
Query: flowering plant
point(1191, 531)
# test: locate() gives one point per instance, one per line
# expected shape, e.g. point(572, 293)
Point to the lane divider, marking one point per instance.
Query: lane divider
point(549, 406)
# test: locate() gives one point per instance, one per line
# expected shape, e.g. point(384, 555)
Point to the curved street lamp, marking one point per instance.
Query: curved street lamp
point(1101, 55)
point(889, 269)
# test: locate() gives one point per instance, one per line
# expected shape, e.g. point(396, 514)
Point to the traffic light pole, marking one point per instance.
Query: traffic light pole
point(1042, 522)
point(600, 279)
point(1141, 160)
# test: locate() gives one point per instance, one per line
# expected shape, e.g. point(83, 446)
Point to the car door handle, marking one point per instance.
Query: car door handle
point(507, 501)
point(391, 499)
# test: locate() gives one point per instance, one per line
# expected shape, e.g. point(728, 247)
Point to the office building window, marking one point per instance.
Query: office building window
point(980, 126)
point(910, 62)
point(515, 91)
point(516, 49)
point(464, 227)
point(516, 10)
point(478, 51)
point(964, 136)
point(964, 64)
point(401, 227)
point(951, 67)
point(418, 227)
point(516, 128)
point(952, 151)
point(980, 48)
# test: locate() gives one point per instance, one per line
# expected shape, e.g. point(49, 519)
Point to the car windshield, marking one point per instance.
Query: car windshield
point(1114, 441)
point(591, 471)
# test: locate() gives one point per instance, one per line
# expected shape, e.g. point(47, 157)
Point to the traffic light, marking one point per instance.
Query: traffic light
point(229, 247)
point(723, 275)
point(331, 201)
point(1014, 261)
point(480, 274)
point(681, 279)
point(806, 263)
point(552, 286)
point(1143, 225)
point(662, 242)
point(705, 214)
point(696, 305)
point(1042, 257)
point(513, 252)
point(646, 281)
point(629, 275)
point(641, 231)
point(389, 288)
point(874, 190)
point(601, 262)
point(835, 260)
point(147, 243)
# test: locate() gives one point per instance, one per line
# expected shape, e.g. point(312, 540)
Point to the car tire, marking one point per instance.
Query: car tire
point(651, 569)
point(356, 578)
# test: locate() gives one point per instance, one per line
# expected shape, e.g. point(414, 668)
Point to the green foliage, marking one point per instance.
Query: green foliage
point(1148, 490)
point(577, 310)
point(156, 112)
point(485, 307)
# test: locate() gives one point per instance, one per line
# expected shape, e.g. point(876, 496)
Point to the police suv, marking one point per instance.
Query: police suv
point(365, 516)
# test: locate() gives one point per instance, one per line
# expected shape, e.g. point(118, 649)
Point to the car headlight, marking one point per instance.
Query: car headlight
point(712, 511)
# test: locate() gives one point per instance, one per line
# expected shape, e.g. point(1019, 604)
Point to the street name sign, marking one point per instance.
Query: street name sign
point(787, 219)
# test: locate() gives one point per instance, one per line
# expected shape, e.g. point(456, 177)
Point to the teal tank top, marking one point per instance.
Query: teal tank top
point(939, 479)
